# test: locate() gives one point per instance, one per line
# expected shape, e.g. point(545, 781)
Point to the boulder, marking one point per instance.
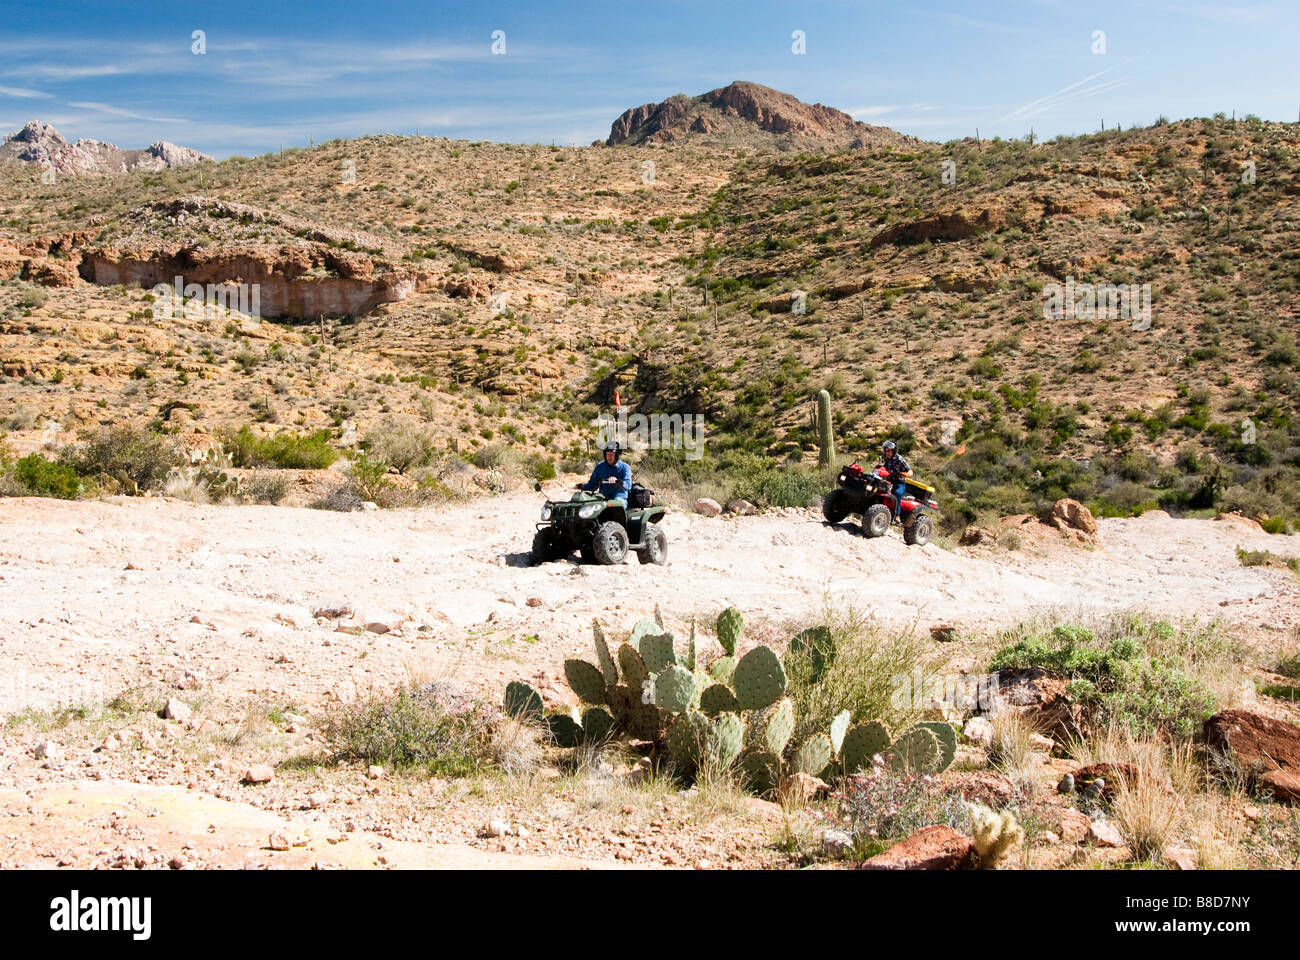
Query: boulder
point(742, 507)
point(1070, 514)
point(708, 507)
point(1040, 699)
point(938, 847)
point(974, 536)
point(259, 773)
point(979, 731)
point(1073, 826)
point(177, 710)
point(982, 786)
point(1268, 749)
point(1103, 833)
point(804, 787)
point(1110, 773)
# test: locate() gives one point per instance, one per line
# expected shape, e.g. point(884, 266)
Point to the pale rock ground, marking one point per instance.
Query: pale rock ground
point(99, 596)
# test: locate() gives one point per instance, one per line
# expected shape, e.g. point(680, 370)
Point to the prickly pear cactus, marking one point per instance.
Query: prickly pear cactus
point(759, 771)
point(657, 651)
point(564, 730)
point(723, 669)
point(817, 645)
point(597, 724)
point(608, 669)
point(634, 669)
point(522, 701)
point(916, 751)
point(813, 757)
point(640, 720)
point(759, 680)
point(643, 628)
point(686, 739)
point(674, 689)
point(730, 625)
point(779, 727)
point(585, 680)
point(718, 698)
point(861, 743)
point(725, 741)
point(839, 727)
point(947, 737)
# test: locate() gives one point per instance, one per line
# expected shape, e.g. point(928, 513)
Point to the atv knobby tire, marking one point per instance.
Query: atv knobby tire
point(609, 544)
point(917, 533)
point(875, 522)
point(656, 546)
point(545, 547)
point(836, 506)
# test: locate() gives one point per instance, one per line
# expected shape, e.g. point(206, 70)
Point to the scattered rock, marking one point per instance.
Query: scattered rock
point(259, 773)
point(943, 633)
point(1108, 774)
point(982, 786)
point(279, 841)
point(708, 507)
point(804, 787)
point(1180, 859)
point(836, 843)
point(1042, 743)
point(495, 828)
point(742, 508)
point(374, 772)
point(333, 610)
point(978, 730)
point(534, 601)
point(937, 847)
point(47, 750)
point(762, 809)
point(1040, 699)
point(974, 536)
point(368, 506)
point(1070, 514)
point(177, 710)
point(1268, 749)
point(1074, 826)
point(1103, 833)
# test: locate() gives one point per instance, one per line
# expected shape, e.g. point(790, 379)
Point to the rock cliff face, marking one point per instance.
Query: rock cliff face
point(748, 114)
point(39, 144)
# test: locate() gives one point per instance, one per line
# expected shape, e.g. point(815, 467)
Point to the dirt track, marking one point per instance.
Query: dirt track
point(98, 596)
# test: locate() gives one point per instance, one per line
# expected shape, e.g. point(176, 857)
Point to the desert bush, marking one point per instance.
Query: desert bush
point(266, 488)
point(135, 460)
point(287, 451)
point(401, 442)
point(35, 476)
point(411, 727)
point(882, 806)
point(869, 669)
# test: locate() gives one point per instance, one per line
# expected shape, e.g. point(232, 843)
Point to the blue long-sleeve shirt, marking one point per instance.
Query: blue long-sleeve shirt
point(615, 483)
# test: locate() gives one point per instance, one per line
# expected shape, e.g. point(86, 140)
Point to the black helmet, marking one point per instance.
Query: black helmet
point(890, 446)
point(614, 445)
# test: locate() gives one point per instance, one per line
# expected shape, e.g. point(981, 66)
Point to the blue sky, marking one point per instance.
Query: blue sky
point(278, 74)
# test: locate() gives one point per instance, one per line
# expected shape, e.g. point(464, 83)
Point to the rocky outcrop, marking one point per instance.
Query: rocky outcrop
point(1073, 518)
point(39, 144)
point(748, 113)
point(951, 225)
point(1267, 749)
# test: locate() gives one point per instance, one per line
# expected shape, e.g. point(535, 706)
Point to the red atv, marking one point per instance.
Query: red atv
point(872, 495)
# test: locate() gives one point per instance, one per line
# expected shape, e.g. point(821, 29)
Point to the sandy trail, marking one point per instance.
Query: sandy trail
point(97, 596)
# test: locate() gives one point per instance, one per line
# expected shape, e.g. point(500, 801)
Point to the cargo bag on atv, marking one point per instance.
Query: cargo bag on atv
point(641, 496)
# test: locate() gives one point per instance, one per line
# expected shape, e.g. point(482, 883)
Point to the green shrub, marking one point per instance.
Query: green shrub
point(401, 442)
point(135, 460)
point(47, 478)
point(287, 451)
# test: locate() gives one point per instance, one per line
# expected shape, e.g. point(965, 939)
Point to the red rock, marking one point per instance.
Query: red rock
point(979, 786)
point(1284, 786)
point(1112, 773)
point(1074, 826)
point(1268, 749)
point(938, 847)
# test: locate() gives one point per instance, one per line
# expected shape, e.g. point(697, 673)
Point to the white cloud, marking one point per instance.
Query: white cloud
point(21, 93)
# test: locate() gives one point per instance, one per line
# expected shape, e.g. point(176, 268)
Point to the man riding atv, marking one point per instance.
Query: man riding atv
point(899, 470)
point(612, 477)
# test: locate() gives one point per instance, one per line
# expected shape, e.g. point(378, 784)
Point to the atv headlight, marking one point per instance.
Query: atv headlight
point(546, 512)
point(589, 510)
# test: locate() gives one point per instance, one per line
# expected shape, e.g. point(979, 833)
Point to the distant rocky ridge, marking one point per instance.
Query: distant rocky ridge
point(41, 145)
point(748, 114)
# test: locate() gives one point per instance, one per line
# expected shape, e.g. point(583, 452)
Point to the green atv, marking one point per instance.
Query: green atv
point(603, 531)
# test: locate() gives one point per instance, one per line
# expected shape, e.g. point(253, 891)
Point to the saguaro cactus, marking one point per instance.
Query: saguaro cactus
point(825, 432)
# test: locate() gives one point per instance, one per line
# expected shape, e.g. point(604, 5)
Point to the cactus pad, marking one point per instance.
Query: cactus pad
point(634, 669)
point(565, 731)
point(917, 751)
point(657, 651)
point(597, 724)
point(862, 743)
point(585, 680)
point(839, 727)
point(947, 737)
point(643, 628)
point(641, 721)
point(674, 689)
point(608, 668)
point(813, 757)
point(759, 771)
point(759, 679)
point(723, 669)
point(779, 727)
point(730, 625)
point(686, 739)
point(522, 701)
point(725, 740)
point(716, 699)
